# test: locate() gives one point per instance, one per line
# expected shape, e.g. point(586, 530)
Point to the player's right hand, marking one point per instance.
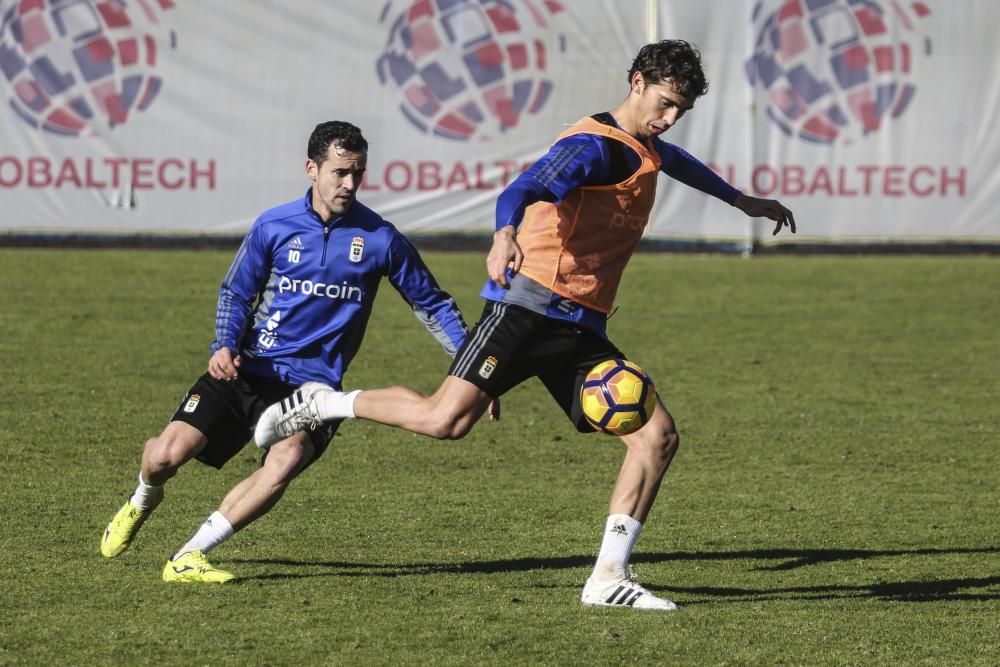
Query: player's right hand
point(773, 209)
point(504, 253)
point(223, 365)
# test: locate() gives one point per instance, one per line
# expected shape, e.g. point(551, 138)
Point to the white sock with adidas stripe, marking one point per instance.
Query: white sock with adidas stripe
point(620, 534)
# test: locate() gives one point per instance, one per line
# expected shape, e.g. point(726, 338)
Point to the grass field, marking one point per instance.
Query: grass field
point(834, 502)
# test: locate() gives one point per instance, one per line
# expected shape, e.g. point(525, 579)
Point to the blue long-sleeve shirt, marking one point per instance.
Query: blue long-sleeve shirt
point(583, 160)
point(297, 298)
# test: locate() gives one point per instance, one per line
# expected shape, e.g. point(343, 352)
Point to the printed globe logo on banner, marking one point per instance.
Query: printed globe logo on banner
point(835, 71)
point(79, 65)
point(470, 69)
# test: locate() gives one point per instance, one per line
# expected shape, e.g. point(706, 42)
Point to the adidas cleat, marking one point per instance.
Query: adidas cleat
point(122, 529)
point(624, 592)
point(193, 566)
point(296, 413)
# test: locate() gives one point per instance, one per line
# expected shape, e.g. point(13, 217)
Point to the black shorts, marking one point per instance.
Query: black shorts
point(226, 412)
point(510, 344)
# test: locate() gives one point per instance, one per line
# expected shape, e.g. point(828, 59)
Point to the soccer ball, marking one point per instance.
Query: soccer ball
point(617, 397)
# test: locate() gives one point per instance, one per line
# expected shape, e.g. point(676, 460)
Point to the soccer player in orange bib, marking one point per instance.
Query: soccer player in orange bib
point(566, 228)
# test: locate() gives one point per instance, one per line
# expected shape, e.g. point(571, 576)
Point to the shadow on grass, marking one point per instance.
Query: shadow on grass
point(968, 589)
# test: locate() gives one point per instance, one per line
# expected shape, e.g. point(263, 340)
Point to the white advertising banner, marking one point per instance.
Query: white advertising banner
point(871, 119)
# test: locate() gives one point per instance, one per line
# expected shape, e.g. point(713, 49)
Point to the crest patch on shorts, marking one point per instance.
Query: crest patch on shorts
point(490, 365)
point(192, 403)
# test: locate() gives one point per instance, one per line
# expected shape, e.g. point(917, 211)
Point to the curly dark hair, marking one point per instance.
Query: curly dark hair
point(672, 59)
point(338, 132)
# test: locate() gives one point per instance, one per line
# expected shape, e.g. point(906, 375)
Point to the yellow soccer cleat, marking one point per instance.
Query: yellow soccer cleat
point(193, 566)
point(122, 529)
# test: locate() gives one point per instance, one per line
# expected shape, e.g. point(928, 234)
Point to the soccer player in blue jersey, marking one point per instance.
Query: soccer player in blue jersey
point(566, 229)
point(292, 310)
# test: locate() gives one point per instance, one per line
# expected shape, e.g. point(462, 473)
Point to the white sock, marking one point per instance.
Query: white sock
point(620, 534)
point(212, 533)
point(146, 496)
point(335, 404)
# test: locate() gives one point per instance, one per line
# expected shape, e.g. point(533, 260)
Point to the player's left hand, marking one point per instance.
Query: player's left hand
point(494, 410)
point(772, 209)
point(504, 253)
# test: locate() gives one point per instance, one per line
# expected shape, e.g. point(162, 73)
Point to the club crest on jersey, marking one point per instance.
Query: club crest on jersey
point(192, 403)
point(357, 249)
point(490, 365)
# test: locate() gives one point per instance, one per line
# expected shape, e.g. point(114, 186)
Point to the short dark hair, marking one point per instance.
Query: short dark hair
point(672, 59)
point(337, 132)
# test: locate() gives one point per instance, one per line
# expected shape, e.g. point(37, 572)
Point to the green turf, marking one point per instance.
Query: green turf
point(834, 501)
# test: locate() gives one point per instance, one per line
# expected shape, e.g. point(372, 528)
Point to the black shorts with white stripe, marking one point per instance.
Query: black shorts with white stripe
point(226, 411)
point(511, 344)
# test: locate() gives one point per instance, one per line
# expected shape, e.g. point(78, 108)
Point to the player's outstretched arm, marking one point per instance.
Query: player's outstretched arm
point(772, 209)
point(504, 252)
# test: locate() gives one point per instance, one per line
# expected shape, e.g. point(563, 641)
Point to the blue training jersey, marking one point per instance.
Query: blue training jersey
point(297, 299)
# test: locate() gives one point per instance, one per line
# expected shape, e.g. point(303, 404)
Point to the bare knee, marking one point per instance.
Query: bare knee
point(663, 446)
point(451, 412)
point(288, 458)
point(451, 421)
point(656, 443)
point(671, 441)
point(164, 454)
point(448, 426)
